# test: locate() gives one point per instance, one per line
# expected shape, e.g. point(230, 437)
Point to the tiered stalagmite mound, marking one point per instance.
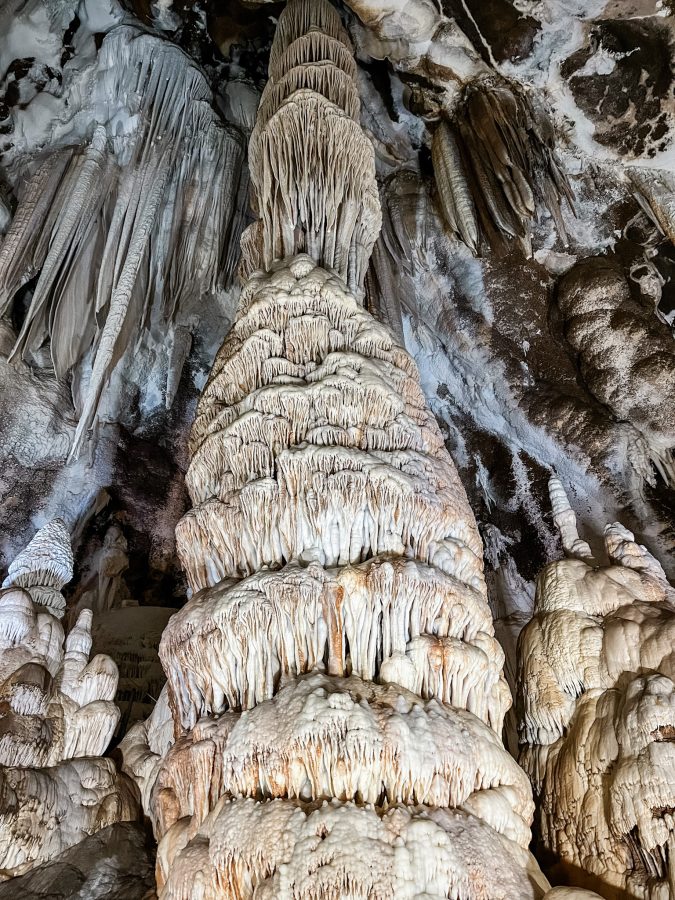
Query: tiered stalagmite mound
point(334, 686)
point(57, 716)
point(598, 713)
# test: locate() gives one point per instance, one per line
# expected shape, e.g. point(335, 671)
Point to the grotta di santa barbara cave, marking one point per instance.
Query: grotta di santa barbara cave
point(337, 449)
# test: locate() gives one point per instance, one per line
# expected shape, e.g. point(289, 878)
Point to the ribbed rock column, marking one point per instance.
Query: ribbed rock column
point(334, 682)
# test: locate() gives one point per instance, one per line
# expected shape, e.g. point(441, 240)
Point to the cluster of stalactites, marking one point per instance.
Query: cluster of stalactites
point(332, 850)
point(324, 737)
point(312, 167)
point(496, 166)
point(57, 715)
point(153, 207)
point(597, 710)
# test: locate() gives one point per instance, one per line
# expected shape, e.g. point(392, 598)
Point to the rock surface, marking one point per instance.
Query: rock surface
point(113, 864)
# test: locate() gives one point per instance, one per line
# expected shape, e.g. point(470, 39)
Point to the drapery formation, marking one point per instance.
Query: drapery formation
point(127, 231)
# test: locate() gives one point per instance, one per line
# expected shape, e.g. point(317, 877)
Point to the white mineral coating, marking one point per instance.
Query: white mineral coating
point(44, 566)
point(334, 850)
point(597, 707)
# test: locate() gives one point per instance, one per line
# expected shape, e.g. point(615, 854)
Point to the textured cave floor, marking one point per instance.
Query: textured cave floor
point(485, 332)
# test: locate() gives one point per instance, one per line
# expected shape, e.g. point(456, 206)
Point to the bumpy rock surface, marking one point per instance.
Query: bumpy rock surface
point(57, 716)
point(598, 713)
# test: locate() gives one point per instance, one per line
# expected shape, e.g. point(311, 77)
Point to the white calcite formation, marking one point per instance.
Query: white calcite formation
point(126, 230)
point(43, 567)
point(598, 713)
point(334, 687)
point(312, 167)
point(330, 540)
point(57, 716)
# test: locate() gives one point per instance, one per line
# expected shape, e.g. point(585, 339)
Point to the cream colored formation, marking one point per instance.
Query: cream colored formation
point(125, 231)
point(57, 715)
point(625, 358)
point(331, 724)
point(332, 718)
point(598, 713)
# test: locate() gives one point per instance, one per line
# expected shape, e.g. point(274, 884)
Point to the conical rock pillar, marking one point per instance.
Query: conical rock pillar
point(331, 724)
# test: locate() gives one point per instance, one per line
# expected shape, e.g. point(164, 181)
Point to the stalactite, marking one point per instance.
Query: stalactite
point(454, 194)
point(597, 714)
point(307, 140)
point(496, 164)
point(154, 207)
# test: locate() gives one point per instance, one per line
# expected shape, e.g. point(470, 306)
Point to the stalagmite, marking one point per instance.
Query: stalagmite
point(331, 723)
point(597, 715)
point(626, 355)
point(58, 715)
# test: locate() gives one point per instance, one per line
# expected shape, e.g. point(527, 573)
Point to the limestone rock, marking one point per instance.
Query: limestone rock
point(57, 716)
point(597, 706)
